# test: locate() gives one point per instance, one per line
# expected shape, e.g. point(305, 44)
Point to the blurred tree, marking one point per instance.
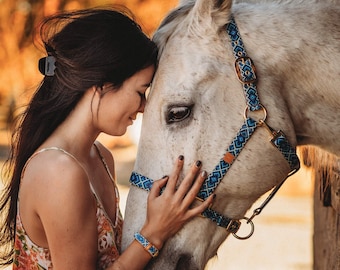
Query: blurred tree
point(149, 12)
point(18, 56)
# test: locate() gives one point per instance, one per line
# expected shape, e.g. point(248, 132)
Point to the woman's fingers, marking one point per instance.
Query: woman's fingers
point(187, 183)
point(192, 193)
point(188, 188)
point(169, 181)
point(157, 187)
point(172, 182)
point(169, 211)
point(201, 207)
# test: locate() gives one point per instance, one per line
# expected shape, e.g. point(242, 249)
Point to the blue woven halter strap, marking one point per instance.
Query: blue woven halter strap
point(244, 67)
point(245, 70)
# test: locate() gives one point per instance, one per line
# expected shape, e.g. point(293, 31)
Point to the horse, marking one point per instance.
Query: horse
point(290, 54)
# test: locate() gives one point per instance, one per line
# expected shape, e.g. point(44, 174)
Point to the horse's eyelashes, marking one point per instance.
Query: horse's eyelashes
point(177, 114)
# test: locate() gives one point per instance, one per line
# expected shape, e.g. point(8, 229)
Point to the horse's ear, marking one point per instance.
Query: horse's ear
point(222, 13)
point(218, 10)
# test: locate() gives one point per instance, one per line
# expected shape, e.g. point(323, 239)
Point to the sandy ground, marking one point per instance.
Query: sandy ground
point(283, 231)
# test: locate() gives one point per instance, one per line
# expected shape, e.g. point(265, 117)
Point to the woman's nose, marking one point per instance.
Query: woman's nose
point(142, 105)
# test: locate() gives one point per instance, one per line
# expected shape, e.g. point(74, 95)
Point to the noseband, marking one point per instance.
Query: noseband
point(246, 74)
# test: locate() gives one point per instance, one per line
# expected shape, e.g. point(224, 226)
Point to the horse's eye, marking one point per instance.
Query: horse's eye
point(177, 114)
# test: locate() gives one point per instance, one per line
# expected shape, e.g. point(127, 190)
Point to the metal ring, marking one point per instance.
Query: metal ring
point(245, 115)
point(252, 228)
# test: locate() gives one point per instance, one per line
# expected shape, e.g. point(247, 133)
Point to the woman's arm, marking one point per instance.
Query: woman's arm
point(166, 214)
point(66, 208)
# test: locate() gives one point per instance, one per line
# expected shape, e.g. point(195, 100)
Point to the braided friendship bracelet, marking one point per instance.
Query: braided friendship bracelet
point(153, 251)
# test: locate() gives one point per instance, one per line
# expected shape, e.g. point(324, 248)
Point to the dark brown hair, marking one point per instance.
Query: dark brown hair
point(91, 47)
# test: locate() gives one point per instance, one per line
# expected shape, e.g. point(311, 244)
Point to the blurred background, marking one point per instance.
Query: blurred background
point(283, 232)
point(20, 49)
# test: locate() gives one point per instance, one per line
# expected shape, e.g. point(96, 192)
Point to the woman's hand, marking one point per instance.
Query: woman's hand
point(169, 211)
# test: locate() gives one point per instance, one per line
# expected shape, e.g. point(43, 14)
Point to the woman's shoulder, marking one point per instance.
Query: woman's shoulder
point(54, 182)
point(53, 162)
point(51, 170)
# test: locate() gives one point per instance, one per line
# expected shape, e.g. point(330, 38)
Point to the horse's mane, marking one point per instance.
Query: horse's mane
point(326, 167)
point(169, 23)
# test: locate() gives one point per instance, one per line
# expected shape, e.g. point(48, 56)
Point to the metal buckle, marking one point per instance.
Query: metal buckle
point(260, 121)
point(233, 226)
point(252, 228)
point(241, 62)
point(200, 200)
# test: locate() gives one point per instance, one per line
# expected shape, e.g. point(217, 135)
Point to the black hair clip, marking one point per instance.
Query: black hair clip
point(47, 65)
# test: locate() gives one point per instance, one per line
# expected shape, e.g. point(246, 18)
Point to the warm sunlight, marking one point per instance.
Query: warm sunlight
point(283, 237)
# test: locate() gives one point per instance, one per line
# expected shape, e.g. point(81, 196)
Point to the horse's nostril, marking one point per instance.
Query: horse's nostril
point(185, 263)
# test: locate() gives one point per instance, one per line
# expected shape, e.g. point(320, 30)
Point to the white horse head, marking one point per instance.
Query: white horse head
point(197, 106)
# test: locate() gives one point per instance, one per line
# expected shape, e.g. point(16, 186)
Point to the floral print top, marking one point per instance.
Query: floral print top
point(29, 256)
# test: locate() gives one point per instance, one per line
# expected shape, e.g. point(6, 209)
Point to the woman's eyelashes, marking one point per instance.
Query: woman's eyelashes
point(142, 94)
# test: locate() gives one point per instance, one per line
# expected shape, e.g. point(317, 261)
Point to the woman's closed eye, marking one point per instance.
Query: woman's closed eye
point(144, 93)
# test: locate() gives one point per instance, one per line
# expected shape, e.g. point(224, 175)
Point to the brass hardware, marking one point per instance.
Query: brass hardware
point(252, 228)
point(238, 69)
point(262, 120)
point(233, 226)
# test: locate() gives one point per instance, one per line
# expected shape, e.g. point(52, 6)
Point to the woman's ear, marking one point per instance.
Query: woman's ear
point(99, 90)
point(94, 95)
point(103, 89)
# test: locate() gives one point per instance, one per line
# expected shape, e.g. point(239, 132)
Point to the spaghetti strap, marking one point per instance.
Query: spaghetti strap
point(114, 184)
point(104, 162)
point(48, 149)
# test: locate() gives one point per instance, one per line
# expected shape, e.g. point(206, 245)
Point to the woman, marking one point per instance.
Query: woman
point(66, 214)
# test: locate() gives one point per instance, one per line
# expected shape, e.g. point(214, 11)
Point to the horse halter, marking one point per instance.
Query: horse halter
point(246, 74)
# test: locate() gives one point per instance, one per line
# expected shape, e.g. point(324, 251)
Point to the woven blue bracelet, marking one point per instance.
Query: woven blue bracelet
point(153, 251)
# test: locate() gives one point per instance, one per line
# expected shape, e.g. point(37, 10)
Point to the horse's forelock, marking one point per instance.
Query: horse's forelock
point(169, 24)
point(220, 14)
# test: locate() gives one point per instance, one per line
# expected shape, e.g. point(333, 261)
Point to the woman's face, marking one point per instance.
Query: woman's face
point(119, 107)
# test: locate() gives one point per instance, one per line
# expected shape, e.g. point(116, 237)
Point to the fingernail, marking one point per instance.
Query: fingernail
point(198, 163)
point(181, 157)
point(204, 174)
point(165, 176)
